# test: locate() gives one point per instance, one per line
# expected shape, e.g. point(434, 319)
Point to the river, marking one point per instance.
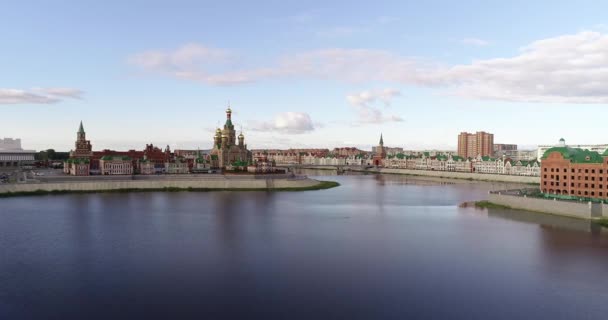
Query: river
point(377, 247)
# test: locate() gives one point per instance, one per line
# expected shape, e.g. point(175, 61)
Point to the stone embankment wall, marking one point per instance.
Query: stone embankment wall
point(456, 175)
point(182, 183)
point(585, 210)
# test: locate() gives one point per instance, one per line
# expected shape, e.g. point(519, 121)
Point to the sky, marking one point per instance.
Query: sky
point(303, 73)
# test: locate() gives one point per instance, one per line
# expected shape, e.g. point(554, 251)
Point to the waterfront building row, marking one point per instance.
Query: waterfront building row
point(458, 164)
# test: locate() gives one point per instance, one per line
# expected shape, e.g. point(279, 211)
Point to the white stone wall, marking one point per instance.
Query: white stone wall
point(197, 183)
point(564, 208)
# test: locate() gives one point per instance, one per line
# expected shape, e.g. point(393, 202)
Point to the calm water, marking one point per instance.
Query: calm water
point(378, 247)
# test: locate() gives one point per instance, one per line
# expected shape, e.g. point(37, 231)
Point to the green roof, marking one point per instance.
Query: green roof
point(116, 158)
point(81, 129)
point(457, 158)
point(576, 155)
point(228, 123)
point(214, 157)
point(77, 160)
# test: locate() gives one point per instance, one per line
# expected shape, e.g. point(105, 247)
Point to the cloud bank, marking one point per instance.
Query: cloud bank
point(564, 69)
point(38, 95)
point(364, 102)
point(287, 122)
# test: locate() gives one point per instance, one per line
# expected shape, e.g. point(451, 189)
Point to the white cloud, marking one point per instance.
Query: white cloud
point(287, 122)
point(364, 101)
point(38, 95)
point(569, 68)
point(475, 42)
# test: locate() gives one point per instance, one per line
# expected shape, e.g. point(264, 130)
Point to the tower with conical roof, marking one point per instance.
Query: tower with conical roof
point(380, 153)
point(83, 148)
point(79, 163)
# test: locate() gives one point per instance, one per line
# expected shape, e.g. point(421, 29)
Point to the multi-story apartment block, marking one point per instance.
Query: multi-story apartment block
point(471, 145)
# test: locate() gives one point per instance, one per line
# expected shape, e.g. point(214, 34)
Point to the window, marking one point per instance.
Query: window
point(545, 177)
point(579, 170)
point(586, 185)
point(552, 177)
point(572, 184)
point(586, 193)
point(592, 193)
point(592, 178)
point(565, 177)
point(592, 170)
point(601, 171)
point(572, 177)
point(565, 170)
point(545, 183)
point(545, 169)
point(586, 178)
point(592, 186)
point(572, 170)
point(565, 184)
point(551, 169)
point(601, 195)
point(586, 170)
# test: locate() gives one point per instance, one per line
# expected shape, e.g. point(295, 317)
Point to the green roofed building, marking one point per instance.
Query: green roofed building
point(116, 165)
point(574, 173)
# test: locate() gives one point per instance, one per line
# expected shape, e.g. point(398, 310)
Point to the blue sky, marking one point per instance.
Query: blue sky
point(303, 74)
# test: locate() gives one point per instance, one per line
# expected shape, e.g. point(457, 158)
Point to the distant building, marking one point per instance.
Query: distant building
point(380, 153)
point(502, 147)
point(599, 148)
point(77, 167)
point(12, 156)
point(116, 165)
point(471, 145)
point(226, 151)
point(179, 166)
point(83, 149)
point(347, 151)
point(574, 173)
point(389, 150)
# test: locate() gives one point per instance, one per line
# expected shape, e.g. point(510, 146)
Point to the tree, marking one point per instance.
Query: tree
point(50, 153)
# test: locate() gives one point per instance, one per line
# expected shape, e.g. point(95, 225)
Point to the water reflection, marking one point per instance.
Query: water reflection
point(377, 247)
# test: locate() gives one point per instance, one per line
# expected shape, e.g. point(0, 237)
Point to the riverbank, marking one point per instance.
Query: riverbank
point(507, 199)
point(454, 175)
point(194, 184)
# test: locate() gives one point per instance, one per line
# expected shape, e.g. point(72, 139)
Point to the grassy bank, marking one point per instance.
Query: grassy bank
point(320, 186)
point(603, 222)
point(489, 205)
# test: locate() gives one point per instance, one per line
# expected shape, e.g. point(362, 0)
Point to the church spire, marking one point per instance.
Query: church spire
point(81, 128)
point(381, 140)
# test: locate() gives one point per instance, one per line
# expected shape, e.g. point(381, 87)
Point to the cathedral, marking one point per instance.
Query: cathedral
point(227, 152)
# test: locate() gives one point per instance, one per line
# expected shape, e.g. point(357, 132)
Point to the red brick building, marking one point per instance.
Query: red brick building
point(471, 145)
point(574, 173)
point(380, 153)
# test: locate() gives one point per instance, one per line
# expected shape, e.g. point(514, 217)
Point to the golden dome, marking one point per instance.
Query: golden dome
point(241, 135)
point(228, 110)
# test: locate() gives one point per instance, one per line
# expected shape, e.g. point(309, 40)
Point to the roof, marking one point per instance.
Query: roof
point(109, 158)
point(576, 155)
point(77, 160)
point(81, 128)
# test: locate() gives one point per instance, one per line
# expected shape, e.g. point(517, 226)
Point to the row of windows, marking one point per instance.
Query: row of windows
point(19, 157)
point(579, 185)
point(580, 193)
point(601, 171)
point(556, 177)
point(8, 164)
